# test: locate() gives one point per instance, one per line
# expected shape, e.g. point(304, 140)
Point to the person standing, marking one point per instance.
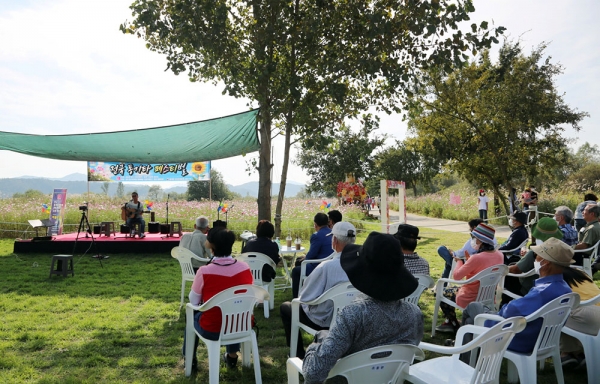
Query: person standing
point(196, 240)
point(483, 204)
point(133, 211)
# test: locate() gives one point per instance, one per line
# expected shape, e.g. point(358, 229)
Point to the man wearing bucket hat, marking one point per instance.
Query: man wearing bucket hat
point(379, 317)
point(408, 235)
point(519, 234)
point(551, 258)
point(543, 230)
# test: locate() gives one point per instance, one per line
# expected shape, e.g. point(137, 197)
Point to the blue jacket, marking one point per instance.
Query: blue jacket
point(545, 290)
point(320, 247)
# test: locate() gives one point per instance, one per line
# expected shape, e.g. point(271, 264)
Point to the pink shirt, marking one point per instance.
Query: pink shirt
point(476, 263)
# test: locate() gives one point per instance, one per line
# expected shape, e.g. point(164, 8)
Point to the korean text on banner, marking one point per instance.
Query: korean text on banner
point(57, 211)
point(106, 171)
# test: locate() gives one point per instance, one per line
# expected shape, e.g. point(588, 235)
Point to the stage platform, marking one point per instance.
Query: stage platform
point(118, 243)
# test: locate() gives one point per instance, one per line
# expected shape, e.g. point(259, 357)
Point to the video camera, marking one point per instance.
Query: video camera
point(84, 207)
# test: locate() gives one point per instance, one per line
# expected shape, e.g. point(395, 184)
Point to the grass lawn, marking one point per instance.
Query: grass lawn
point(122, 323)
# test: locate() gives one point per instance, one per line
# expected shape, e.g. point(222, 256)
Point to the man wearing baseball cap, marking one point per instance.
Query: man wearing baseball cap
point(325, 276)
point(519, 234)
point(551, 258)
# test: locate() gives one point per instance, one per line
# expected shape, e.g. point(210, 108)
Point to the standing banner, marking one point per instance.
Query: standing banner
point(57, 210)
point(107, 171)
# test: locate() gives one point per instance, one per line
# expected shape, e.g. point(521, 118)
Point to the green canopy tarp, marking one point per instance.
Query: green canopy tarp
point(200, 141)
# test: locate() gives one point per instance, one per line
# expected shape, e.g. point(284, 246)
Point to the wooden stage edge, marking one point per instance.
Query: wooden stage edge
point(118, 243)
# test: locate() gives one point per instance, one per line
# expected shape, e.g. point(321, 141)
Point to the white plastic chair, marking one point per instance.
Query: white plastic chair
point(425, 282)
point(237, 305)
point(517, 275)
point(491, 343)
point(341, 294)
point(511, 251)
point(591, 345)
point(488, 280)
point(185, 256)
point(305, 263)
point(256, 261)
point(554, 315)
point(588, 261)
point(379, 365)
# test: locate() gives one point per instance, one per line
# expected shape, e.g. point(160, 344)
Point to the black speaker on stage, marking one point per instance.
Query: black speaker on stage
point(96, 229)
point(219, 223)
point(154, 227)
point(124, 229)
point(165, 229)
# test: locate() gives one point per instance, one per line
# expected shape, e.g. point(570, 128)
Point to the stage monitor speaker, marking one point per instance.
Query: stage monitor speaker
point(219, 223)
point(96, 229)
point(124, 229)
point(165, 229)
point(153, 227)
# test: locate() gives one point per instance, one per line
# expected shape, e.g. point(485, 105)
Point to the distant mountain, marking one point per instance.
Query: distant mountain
point(76, 183)
point(251, 189)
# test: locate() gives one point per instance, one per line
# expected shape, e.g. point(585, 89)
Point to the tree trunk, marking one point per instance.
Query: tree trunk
point(264, 165)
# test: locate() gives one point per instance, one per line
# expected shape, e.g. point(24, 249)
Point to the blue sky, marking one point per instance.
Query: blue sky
point(66, 68)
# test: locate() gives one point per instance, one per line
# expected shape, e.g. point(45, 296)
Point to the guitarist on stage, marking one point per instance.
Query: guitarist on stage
point(132, 212)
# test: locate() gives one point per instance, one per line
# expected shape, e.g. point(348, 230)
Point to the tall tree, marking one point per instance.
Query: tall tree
point(155, 193)
point(198, 190)
point(120, 190)
point(105, 187)
point(345, 152)
point(405, 164)
point(309, 64)
point(495, 123)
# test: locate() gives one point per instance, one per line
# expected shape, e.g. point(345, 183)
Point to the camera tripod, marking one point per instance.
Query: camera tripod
point(84, 225)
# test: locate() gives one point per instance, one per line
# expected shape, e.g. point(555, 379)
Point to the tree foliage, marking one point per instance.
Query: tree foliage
point(341, 153)
point(405, 164)
point(155, 193)
point(495, 123)
point(198, 190)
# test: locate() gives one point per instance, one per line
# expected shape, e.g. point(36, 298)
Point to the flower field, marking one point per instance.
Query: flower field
point(297, 214)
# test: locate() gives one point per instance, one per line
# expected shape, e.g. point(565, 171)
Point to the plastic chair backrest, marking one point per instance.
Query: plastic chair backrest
point(341, 294)
point(425, 282)
point(305, 263)
point(511, 251)
point(493, 344)
point(184, 256)
point(378, 365)
point(488, 283)
point(554, 314)
point(256, 261)
point(237, 306)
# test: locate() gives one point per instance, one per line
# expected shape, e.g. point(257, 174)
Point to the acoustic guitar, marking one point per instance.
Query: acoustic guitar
point(129, 213)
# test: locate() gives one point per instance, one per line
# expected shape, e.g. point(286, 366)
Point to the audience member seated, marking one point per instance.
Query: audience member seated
point(448, 254)
point(196, 240)
point(582, 319)
point(325, 276)
point(376, 317)
point(320, 247)
point(543, 230)
point(264, 244)
point(408, 235)
point(335, 216)
point(590, 234)
point(563, 216)
point(588, 198)
point(519, 234)
point(221, 273)
point(552, 257)
point(486, 256)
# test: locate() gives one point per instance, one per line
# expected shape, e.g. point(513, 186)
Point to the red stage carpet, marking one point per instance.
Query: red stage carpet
point(117, 243)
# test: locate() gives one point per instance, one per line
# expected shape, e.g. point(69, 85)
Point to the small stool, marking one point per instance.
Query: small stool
point(135, 228)
point(64, 265)
point(107, 227)
point(173, 225)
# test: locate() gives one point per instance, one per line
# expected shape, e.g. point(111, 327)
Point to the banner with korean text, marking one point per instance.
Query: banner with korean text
point(106, 171)
point(57, 210)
